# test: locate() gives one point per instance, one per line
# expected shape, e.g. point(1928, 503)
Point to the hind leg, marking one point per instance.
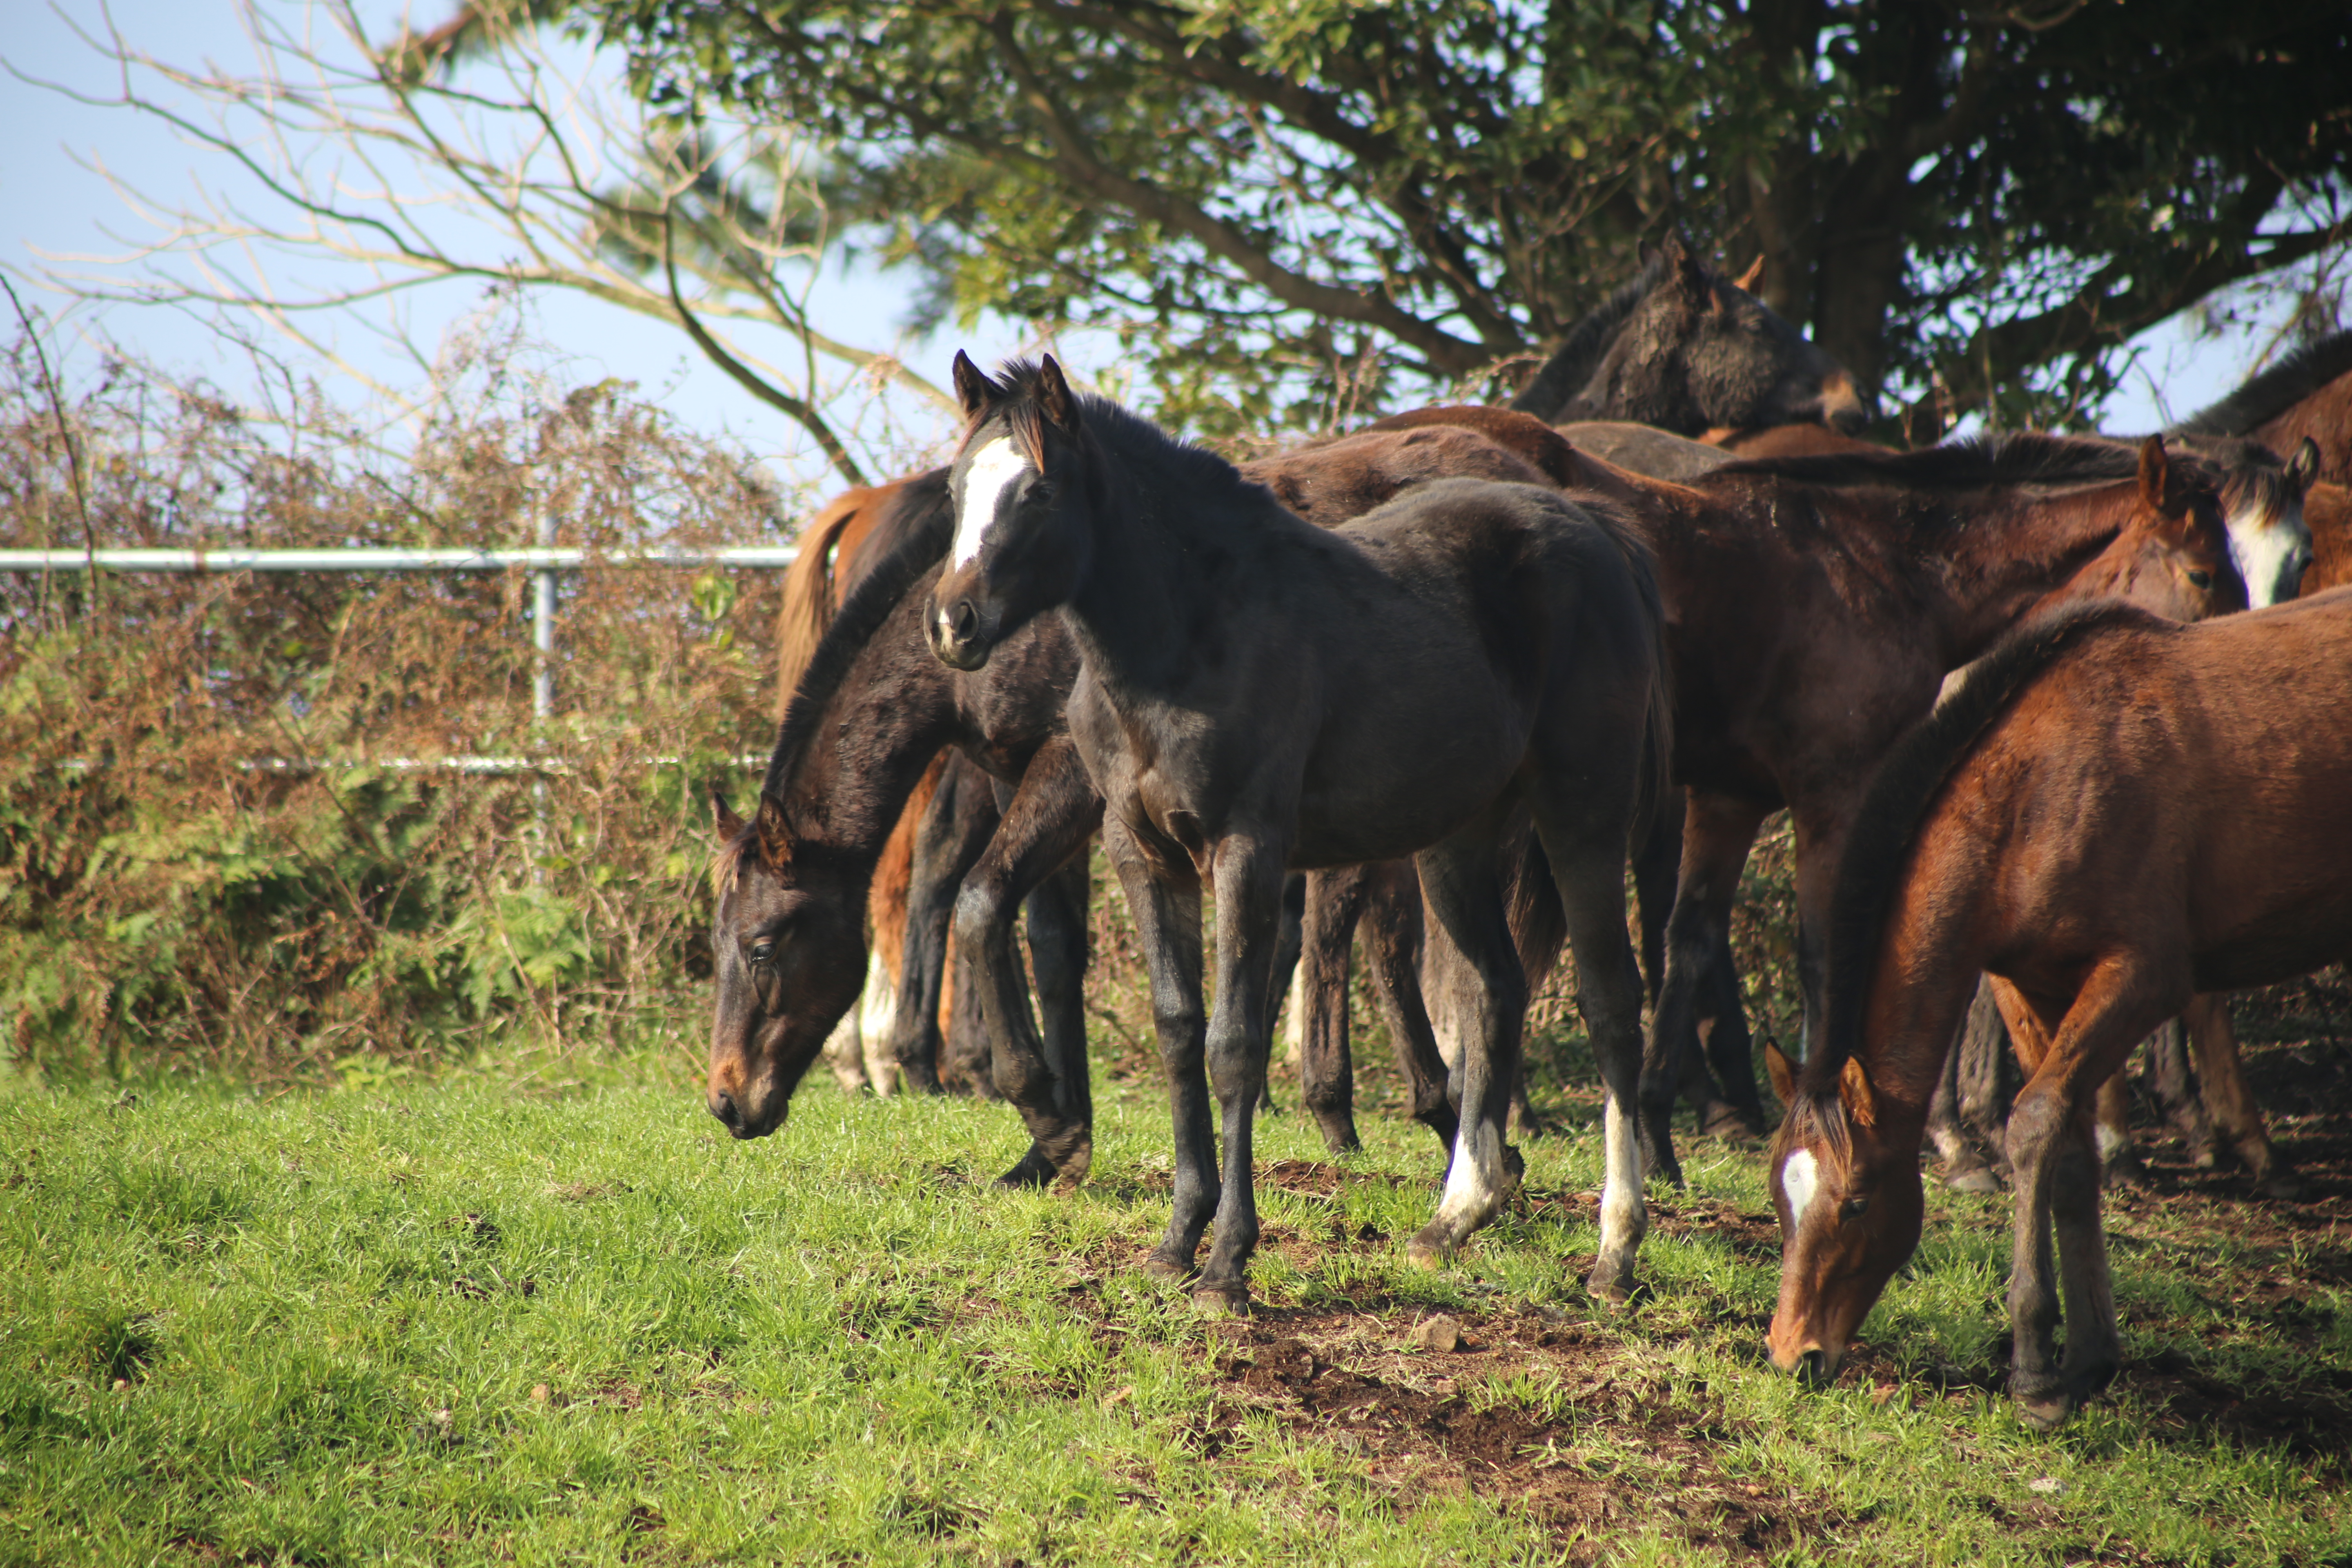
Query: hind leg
point(1394, 936)
point(1460, 882)
point(1056, 918)
point(2052, 1150)
point(2228, 1102)
point(1249, 886)
point(1327, 1071)
point(955, 830)
point(1716, 834)
point(1289, 944)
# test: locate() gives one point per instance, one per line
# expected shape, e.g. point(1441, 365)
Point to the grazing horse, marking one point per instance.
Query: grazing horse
point(1685, 349)
point(1255, 693)
point(2110, 814)
point(1815, 606)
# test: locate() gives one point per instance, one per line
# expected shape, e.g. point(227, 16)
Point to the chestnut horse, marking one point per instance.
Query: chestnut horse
point(2111, 814)
point(1255, 693)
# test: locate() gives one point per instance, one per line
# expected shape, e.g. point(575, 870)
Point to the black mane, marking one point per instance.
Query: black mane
point(2266, 396)
point(1579, 353)
point(2022, 457)
point(1128, 436)
point(1912, 774)
point(922, 525)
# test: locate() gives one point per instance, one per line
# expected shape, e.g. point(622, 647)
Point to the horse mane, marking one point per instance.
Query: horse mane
point(808, 599)
point(1895, 807)
point(2027, 458)
point(922, 542)
point(2271, 393)
point(1125, 434)
point(1579, 353)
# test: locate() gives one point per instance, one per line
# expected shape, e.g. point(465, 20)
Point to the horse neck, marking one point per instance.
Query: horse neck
point(892, 712)
point(2007, 551)
point(1144, 584)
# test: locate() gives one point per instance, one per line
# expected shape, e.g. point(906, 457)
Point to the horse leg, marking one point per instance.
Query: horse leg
point(1057, 925)
point(1987, 1081)
point(2228, 1103)
point(2119, 1164)
point(955, 830)
point(1657, 863)
point(1249, 887)
point(1047, 821)
point(1734, 1106)
point(1461, 881)
point(1167, 918)
point(1964, 1169)
point(1716, 833)
point(1395, 936)
point(2176, 1092)
point(1290, 939)
point(1327, 1073)
point(1539, 931)
point(2052, 1150)
point(1590, 868)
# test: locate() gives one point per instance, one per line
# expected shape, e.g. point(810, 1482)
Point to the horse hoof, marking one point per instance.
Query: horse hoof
point(1033, 1170)
point(1731, 1123)
point(1977, 1179)
point(2282, 1185)
point(1611, 1287)
point(1222, 1300)
point(2046, 1411)
point(1166, 1270)
point(1429, 1252)
point(2123, 1173)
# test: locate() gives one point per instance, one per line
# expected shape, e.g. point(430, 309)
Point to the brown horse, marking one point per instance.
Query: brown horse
point(2305, 396)
point(2111, 814)
point(2327, 512)
point(1815, 606)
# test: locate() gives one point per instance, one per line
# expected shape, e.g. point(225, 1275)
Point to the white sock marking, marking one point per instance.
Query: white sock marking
point(1799, 1178)
point(994, 469)
point(1621, 1216)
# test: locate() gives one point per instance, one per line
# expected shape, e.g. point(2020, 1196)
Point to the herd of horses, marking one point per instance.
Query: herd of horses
point(2058, 718)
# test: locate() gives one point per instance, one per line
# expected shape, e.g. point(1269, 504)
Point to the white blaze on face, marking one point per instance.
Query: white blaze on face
point(993, 470)
point(1799, 1178)
point(2262, 544)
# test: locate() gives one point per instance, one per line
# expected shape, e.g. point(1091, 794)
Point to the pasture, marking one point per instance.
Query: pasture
point(543, 1308)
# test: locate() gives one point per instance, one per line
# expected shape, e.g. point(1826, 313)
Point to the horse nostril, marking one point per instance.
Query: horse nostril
point(1810, 1368)
point(964, 624)
point(722, 1106)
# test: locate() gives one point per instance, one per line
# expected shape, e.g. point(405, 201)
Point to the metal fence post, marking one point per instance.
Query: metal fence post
point(542, 680)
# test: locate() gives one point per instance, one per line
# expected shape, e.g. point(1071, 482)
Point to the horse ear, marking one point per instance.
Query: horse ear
point(723, 818)
point(1690, 272)
point(1055, 398)
point(1753, 276)
point(1853, 1088)
point(775, 832)
point(2303, 467)
point(2160, 488)
point(1783, 1072)
point(975, 389)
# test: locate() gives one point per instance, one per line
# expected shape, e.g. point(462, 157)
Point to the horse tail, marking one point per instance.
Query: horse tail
point(1657, 763)
point(1895, 807)
point(807, 611)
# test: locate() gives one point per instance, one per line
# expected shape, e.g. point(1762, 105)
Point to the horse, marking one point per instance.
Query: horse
point(874, 687)
point(1685, 349)
point(1816, 606)
point(2305, 396)
point(2111, 814)
point(1256, 694)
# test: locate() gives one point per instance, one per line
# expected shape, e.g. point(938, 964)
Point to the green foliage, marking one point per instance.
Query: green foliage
point(1291, 211)
point(228, 830)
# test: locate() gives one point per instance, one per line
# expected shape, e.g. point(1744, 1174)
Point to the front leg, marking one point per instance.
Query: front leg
point(954, 831)
point(1167, 915)
point(1716, 833)
point(1249, 876)
point(1327, 1071)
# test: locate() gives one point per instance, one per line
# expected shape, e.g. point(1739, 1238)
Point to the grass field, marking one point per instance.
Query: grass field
point(497, 1318)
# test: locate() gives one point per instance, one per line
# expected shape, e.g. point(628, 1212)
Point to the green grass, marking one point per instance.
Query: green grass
point(478, 1319)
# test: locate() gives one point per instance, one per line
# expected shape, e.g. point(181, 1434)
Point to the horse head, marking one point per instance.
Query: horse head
point(1850, 1206)
point(1699, 352)
point(2173, 557)
point(2261, 503)
point(1019, 485)
point(788, 963)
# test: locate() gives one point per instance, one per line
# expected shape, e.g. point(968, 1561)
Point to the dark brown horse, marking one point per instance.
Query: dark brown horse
point(1685, 349)
point(1255, 693)
point(2110, 814)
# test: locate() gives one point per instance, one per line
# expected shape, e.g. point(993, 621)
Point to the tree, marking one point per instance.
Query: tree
point(1282, 206)
point(517, 171)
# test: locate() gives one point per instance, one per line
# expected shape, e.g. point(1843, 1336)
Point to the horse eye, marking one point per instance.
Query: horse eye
point(762, 951)
point(2201, 578)
point(1853, 1208)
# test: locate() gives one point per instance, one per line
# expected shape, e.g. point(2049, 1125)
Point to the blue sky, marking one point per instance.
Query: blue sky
point(49, 202)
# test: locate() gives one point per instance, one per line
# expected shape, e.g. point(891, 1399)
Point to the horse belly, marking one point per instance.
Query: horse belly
point(1389, 779)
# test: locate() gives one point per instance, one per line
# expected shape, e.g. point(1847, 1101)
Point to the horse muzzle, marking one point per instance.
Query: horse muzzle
point(961, 635)
point(1844, 408)
point(743, 1120)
